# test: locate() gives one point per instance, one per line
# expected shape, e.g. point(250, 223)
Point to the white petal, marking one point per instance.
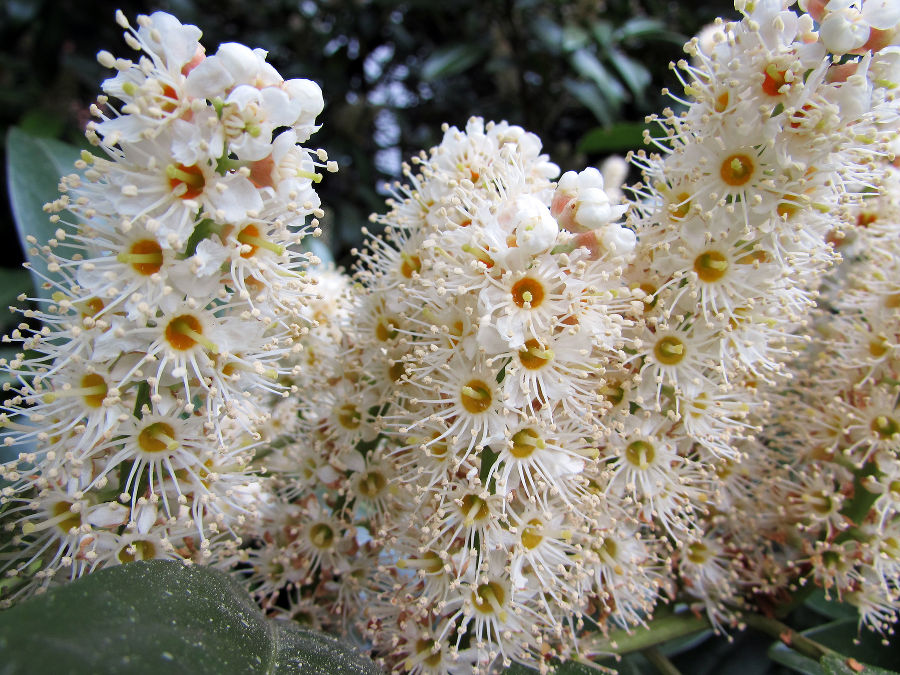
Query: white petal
point(841, 35)
point(210, 79)
point(237, 199)
point(881, 14)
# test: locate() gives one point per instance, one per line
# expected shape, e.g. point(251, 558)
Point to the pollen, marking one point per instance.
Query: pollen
point(250, 236)
point(384, 330)
point(774, 80)
point(321, 535)
point(531, 534)
point(411, 264)
point(669, 350)
point(885, 427)
point(137, 550)
point(534, 356)
point(144, 256)
point(476, 397)
point(371, 484)
point(640, 454)
point(488, 598)
point(737, 169)
point(525, 442)
point(191, 177)
point(185, 331)
point(427, 646)
point(65, 518)
point(680, 206)
point(710, 266)
point(94, 390)
point(528, 291)
point(474, 508)
point(698, 553)
point(348, 416)
point(157, 437)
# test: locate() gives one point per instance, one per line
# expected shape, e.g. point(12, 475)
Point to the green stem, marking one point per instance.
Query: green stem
point(787, 635)
point(660, 662)
point(657, 632)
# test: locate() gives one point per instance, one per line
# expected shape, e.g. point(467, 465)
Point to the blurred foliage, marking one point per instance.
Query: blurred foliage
point(392, 73)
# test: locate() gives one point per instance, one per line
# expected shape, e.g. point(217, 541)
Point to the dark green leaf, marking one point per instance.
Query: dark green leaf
point(744, 653)
point(845, 637)
point(635, 76)
point(564, 668)
point(202, 230)
point(43, 123)
point(781, 653)
point(161, 617)
point(34, 166)
point(616, 138)
point(848, 642)
point(833, 664)
point(549, 33)
point(319, 248)
point(646, 28)
point(575, 668)
point(13, 282)
point(603, 34)
point(574, 37)
point(451, 60)
point(830, 608)
point(590, 67)
point(588, 95)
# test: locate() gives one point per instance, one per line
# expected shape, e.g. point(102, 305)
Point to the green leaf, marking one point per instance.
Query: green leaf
point(603, 34)
point(159, 616)
point(319, 248)
point(13, 282)
point(847, 641)
point(33, 167)
point(781, 653)
point(548, 32)
point(590, 98)
point(830, 608)
point(645, 28)
point(451, 60)
point(574, 37)
point(619, 137)
point(589, 66)
point(564, 668)
point(845, 637)
point(833, 664)
point(635, 76)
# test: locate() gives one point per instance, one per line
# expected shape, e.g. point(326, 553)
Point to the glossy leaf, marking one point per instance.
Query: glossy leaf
point(451, 60)
point(590, 98)
point(616, 138)
point(160, 616)
point(830, 608)
point(574, 37)
point(781, 653)
point(589, 66)
point(646, 28)
point(13, 282)
point(833, 664)
point(847, 641)
point(34, 166)
point(635, 76)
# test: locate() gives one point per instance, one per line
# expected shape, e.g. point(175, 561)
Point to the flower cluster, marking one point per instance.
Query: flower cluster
point(175, 293)
point(539, 410)
point(835, 441)
point(546, 417)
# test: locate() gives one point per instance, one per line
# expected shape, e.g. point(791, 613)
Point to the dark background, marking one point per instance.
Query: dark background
point(582, 75)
